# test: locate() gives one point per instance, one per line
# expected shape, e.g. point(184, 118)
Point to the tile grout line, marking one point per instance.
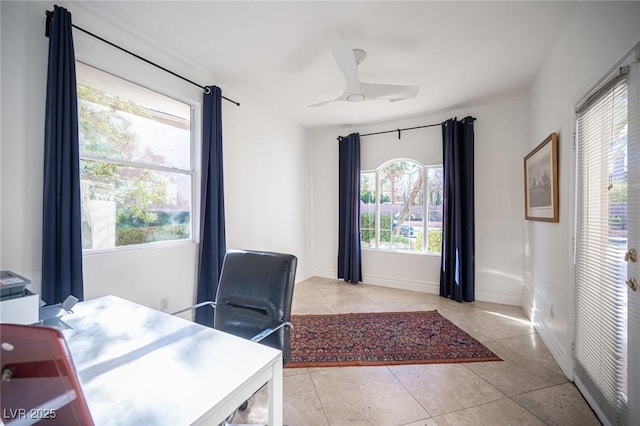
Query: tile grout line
point(315, 389)
point(410, 393)
point(510, 397)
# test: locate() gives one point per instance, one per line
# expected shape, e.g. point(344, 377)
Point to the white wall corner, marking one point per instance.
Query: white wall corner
point(303, 276)
point(527, 302)
point(497, 286)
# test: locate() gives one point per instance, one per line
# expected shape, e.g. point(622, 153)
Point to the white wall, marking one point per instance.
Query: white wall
point(23, 102)
point(596, 36)
point(499, 130)
point(265, 159)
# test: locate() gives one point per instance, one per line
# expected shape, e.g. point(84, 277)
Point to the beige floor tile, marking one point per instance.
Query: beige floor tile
point(365, 396)
point(288, 372)
point(471, 393)
point(442, 388)
point(561, 405)
point(504, 412)
point(491, 325)
point(308, 300)
point(426, 422)
point(497, 308)
point(353, 301)
point(514, 377)
point(528, 347)
point(301, 404)
point(448, 306)
point(329, 286)
point(394, 300)
point(469, 327)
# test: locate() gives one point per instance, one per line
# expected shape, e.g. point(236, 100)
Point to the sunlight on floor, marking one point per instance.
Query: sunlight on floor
point(526, 322)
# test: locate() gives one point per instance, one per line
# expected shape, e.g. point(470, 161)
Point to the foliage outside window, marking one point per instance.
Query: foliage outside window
point(400, 203)
point(135, 163)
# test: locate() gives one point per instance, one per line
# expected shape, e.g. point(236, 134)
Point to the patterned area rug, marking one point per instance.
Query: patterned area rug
point(381, 338)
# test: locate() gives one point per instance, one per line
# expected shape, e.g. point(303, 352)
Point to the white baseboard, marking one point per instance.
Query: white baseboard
point(326, 273)
point(495, 294)
point(390, 282)
point(497, 297)
point(560, 354)
point(419, 286)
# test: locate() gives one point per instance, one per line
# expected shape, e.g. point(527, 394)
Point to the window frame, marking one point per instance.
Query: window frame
point(192, 171)
point(425, 168)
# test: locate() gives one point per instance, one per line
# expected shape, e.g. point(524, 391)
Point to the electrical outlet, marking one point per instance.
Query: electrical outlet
point(164, 304)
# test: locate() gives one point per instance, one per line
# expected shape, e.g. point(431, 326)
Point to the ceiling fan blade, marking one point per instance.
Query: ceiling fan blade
point(319, 104)
point(391, 92)
point(342, 97)
point(343, 54)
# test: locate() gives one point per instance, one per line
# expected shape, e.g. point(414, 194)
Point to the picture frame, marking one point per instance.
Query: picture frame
point(541, 197)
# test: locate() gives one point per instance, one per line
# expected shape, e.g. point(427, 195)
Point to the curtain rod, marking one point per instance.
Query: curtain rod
point(399, 131)
point(49, 15)
point(402, 130)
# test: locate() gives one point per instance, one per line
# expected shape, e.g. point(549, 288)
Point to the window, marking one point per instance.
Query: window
point(400, 203)
point(136, 169)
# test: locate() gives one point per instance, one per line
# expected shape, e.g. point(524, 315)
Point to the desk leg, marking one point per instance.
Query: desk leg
point(275, 395)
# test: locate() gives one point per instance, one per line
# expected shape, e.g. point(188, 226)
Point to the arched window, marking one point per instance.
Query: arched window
point(400, 203)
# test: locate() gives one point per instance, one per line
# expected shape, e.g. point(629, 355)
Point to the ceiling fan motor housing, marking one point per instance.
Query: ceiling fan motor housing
point(359, 54)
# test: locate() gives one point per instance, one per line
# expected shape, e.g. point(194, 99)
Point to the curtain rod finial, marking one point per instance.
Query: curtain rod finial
point(47, 25)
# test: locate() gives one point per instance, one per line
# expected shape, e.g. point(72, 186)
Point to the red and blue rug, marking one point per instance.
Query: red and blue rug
point(381, 338)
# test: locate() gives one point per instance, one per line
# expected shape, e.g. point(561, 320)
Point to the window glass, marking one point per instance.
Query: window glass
point(406, 203)
point(368, 209)
point(136, 162)
point(435, 179)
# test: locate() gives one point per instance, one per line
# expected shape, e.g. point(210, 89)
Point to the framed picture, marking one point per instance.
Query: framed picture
point(541, 181)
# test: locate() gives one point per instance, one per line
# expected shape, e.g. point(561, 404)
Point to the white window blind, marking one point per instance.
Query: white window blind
point(600, 353)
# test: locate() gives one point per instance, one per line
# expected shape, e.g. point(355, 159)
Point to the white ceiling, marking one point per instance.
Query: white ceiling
point(461, 54)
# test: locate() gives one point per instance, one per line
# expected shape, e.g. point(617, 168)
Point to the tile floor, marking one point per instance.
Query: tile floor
point(527, 388)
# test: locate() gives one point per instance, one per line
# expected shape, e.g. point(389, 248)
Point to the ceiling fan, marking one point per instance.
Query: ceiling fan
point(357, 91)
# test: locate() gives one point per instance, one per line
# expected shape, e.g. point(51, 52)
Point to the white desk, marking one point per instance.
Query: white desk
point(139, 366)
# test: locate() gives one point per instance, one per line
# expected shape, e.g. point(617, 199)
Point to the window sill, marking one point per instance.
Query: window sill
point(147, 246)
point(415, 253)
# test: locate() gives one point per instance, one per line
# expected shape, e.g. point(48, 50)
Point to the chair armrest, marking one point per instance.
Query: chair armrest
point(269, 331)
point(188, 308)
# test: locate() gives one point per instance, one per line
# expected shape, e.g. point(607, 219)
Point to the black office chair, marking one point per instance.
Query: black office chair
point(254, 297)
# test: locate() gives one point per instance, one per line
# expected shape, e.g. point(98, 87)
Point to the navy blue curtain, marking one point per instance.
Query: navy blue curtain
point(457, 267)
point(61, 218)
point(349, 266)
point(212, 227)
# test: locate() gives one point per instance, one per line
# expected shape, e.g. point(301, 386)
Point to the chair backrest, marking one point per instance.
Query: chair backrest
point(39, 380)
point(255, 291)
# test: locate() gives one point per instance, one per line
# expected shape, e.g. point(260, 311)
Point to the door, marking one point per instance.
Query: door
point(633, 247)
point(607, 341)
